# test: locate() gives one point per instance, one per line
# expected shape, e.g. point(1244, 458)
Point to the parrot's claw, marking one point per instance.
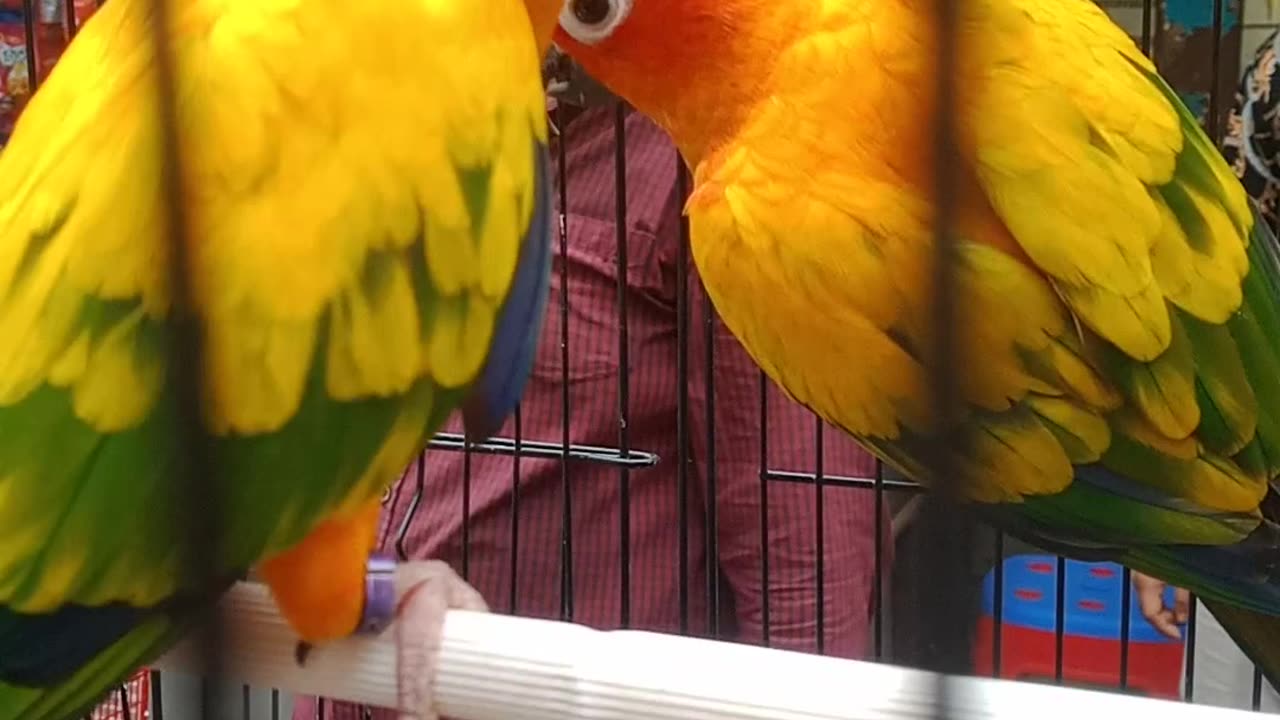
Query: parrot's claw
point(379, 595)
point(301, 652)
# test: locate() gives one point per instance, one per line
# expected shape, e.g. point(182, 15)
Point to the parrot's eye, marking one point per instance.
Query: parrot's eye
point(590, 21)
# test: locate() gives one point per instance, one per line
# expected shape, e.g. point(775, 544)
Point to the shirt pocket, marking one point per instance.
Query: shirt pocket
point(593, 324)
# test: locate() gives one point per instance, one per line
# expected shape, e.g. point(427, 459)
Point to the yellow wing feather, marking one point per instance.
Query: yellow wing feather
point(1077, 191)
point(1136, 220)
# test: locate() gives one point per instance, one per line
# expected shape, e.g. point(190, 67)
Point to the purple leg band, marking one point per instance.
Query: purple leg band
point(379, 595)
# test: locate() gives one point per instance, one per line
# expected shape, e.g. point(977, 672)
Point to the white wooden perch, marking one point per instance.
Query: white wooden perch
point(496, 667)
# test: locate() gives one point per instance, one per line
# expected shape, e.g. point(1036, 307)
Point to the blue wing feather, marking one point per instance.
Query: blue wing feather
point(497, 390)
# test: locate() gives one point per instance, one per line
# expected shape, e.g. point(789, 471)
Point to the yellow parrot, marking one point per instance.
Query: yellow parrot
point(367, 249)
point(1119, 358)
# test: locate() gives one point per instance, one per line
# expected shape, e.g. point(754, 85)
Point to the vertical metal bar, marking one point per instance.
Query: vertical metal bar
point(682, 398)
point(941, 372)
point(713, 525)
point(1189, 695)
point(624, 358)
point(566, 507)
point(275, 704)
point(819, 525)
point(947, 568)
point(514, 569)
point(997, 608)
point(1256, 700)
point(764, 508)
point(1060, 617)
point(1147, 40)
point(29, 28)
point(157, 696)
point(466, 512)
point(1126, 603)
point(1215, 72)
point(70, 21)
point(126, 712)
point(1158, 39)
point(246, 708)
point(420, 487)
point(877, 637)
point(199, 505)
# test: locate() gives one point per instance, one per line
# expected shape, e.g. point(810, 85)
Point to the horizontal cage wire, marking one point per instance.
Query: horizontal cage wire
point(645, 414)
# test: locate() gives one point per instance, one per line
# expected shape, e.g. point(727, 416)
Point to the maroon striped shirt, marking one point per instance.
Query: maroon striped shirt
point(514, 554)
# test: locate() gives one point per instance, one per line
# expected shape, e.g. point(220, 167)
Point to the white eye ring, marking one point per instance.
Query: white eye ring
point(590, 34)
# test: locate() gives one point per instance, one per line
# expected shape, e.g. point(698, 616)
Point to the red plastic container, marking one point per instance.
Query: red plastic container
point(1091, 646)
point(1155, 669)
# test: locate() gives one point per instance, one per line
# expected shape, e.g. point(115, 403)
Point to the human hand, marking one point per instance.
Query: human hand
point(427, 590)
point(1151, 601)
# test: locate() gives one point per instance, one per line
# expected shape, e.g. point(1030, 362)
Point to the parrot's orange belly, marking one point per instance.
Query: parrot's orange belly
point(319, 583)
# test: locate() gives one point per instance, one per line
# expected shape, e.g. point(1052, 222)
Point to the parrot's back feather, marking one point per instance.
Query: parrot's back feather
point(369, 241)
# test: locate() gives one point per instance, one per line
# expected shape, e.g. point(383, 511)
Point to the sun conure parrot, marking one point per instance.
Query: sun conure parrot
point(368, 249)
point(1119, 357)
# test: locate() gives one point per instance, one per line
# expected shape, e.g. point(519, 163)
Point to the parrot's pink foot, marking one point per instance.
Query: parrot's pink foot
point(428, 590)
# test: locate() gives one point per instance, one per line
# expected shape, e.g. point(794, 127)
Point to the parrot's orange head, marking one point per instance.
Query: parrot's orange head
point(694, 66)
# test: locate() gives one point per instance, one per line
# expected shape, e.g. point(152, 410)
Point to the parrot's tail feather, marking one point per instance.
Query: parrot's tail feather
point(1258, 635)
point(76, 694)
point(39, 650)
point(59, 665)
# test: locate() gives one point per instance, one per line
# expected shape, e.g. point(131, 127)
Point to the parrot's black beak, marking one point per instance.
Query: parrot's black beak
point(566, 81)
point(569, 88)
point(556, 68)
